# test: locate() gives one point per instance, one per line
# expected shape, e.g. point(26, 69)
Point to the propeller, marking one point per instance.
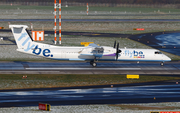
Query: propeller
point(115, 44)
point(117, 51)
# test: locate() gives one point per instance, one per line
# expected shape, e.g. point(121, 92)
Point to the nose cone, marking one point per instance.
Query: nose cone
point(166, 58)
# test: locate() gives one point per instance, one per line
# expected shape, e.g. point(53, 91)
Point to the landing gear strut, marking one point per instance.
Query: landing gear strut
point(162, 64)
point(93, 63)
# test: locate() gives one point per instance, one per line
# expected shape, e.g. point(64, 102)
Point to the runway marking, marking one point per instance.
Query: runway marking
point(83, 68)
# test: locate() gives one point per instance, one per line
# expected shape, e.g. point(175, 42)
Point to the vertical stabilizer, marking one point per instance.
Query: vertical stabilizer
point(22, 38)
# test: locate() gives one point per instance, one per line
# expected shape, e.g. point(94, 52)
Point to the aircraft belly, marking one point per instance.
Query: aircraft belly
point(149, 58)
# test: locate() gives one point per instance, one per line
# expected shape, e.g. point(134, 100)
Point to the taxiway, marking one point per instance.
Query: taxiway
point(124, 93)
point(95, 20)
point(66, 67)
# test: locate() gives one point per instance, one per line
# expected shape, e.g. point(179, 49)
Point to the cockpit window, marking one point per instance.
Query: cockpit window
point(158, 52)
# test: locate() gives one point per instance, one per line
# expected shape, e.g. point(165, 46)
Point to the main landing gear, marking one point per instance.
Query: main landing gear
point(162, 63)
point(93, 62)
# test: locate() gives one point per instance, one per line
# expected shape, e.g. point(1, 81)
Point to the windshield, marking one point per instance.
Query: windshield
point(158, 52)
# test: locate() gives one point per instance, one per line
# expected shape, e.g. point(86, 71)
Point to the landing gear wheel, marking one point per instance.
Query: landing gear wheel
point(94, 64)
point(162, 64)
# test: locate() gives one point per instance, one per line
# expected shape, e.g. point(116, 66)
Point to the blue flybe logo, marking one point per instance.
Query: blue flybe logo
point(134, 54)
point(30, 45)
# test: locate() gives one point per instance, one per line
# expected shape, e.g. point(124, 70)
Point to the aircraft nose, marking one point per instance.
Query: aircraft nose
point(166, 58)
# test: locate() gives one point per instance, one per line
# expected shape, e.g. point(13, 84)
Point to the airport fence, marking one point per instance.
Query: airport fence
point(93, 4)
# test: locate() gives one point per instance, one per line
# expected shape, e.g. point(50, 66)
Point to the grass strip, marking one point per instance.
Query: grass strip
point(15, 81)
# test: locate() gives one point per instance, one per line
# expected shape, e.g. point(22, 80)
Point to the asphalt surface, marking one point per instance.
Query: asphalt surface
point(90, 34)
point(165, 41)
point(95, 20)
point(146, 93)
point(66, 67)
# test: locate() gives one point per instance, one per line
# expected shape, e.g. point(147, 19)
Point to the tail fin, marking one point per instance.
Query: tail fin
point(22, 38)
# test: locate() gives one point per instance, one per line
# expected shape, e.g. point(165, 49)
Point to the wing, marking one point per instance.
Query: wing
point(96, 49)
point(93, 45)
point(93, 50)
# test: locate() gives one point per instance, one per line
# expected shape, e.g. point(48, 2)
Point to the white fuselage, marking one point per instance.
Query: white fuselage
point(92, 52)
point(86, 54)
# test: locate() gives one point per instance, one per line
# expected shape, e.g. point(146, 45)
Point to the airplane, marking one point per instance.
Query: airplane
point(92, 53)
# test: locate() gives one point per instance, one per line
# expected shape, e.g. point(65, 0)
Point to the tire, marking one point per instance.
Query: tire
point(94, 64)
point(162, 64)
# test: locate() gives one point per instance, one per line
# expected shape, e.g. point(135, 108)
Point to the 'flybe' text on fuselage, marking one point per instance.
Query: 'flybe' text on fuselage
point(134, 54)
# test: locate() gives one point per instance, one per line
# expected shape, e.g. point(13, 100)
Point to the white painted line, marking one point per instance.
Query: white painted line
point(83, 68)
point(166, 69)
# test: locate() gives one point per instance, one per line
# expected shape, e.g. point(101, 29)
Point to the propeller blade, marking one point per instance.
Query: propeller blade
point(115, 44)
point(117, 51)
point(116, 56)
